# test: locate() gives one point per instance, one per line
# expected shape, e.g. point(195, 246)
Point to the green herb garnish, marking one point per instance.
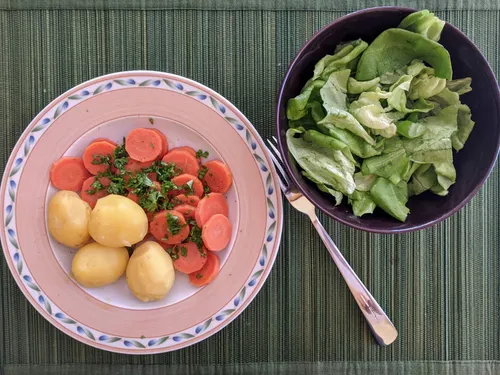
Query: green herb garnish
point(195, 237)
point(199, 275)
point(202, 172)
point(201, 154)
point(184, 251)
point(99, 160)
point(174, 226)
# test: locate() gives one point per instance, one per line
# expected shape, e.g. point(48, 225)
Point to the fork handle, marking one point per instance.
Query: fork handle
point(382, 328)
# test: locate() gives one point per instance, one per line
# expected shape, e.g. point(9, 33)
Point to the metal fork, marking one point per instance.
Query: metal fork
point(382, 328)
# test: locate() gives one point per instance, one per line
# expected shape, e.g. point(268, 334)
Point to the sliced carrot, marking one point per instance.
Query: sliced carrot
point(187, 210)
point(143, 144)
point(185, 179)
point(96, 150)
point(190, 258)
point(106, 140)
point(135, 166)
point(150, 216)
point(216, 233)
point(218, 177)
point(184, 161)
point(185, 148)
point(164, 142)
point(68, 173)
point(91, 199)
point(191, 200)
point(160, 229)
point(212, 204)
point(208, 272)
point(133, 197)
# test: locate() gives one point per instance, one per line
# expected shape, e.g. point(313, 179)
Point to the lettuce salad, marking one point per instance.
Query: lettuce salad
point(378, 122)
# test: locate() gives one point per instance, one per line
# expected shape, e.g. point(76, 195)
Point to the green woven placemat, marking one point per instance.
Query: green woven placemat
point(440, 286)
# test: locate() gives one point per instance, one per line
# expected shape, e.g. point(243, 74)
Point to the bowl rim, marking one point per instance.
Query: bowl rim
point(496, 94)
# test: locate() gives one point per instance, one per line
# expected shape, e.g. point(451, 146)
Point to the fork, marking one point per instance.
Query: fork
point(382, 328)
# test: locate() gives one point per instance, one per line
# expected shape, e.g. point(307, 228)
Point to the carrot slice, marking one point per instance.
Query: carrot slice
point(143, 144)
point(191, 200)
point(187, 210)
point(68, 173)
point(212, 204)
point(98, 149)
point(91, 199)
point(208, 272)
point(189, 258)
point(218, 177)
point(216, 233)
point(185, 179)
point(164, 142)
point(133, 197)
point(135, 166)
point(162, 230)
point(185, 148)
point(184, 161)
point(105, 140)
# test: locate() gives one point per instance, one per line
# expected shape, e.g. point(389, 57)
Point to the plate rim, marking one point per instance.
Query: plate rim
point(131, 346)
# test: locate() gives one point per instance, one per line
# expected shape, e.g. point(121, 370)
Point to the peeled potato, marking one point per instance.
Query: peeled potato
point(150, 272)
point(68, 218)
point(117, 221)
point(95, 265)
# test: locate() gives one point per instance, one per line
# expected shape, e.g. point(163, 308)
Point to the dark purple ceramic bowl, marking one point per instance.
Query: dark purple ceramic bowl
point(473, 163)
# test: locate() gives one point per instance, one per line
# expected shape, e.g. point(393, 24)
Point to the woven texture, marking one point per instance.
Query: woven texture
point(440, 286)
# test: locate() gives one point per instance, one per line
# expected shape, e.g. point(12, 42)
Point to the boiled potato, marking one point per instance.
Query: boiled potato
point(150, 272)
point(68, 218)
point(117, 221)
point(95, 265)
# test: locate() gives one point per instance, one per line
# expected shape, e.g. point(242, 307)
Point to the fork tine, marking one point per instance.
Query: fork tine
point(276, 157)
point(281, 178)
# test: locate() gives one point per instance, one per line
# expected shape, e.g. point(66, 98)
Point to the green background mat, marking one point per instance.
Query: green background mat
point(440, 286)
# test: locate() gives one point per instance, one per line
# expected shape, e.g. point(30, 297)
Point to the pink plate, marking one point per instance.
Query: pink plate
point(110, 318)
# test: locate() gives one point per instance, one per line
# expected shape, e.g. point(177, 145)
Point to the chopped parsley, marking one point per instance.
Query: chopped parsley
point(202, 172)
point(152, 201)
point(174, 227)
point(201, 154)
point(199, 275)
point(120, 157)
point(96, 186)
point(140, 183)
point(184, 251)
point(206, 190)
point(99, 160)
point(151, 120)
point(195, 237)
point(164, 171)
point(174, 253)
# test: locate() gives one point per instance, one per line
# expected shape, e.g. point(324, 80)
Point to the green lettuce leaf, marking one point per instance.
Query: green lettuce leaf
point(334, 98)
point(399, 101)
point(326, 165)
point(395, 48)
point(364, 182)
point(362, 203)
point(357, 87)
point(326, 141)
point(336, 194)
point(297, 107)
point(465, 126)
point(357, 145)
point(391, 198)
point(370, 113)
point(424, 23)
point(434, 145)
point(325, 61)
point(422, 180)
point(460, 86)
point(392, 164)
point(350, 60)
point(410, 129)
point(426, 85)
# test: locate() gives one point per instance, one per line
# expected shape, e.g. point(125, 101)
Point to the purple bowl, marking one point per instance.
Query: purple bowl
point(473, 163)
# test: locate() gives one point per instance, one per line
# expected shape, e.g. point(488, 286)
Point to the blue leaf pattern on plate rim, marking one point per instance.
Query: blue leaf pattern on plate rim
point(56, 109)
